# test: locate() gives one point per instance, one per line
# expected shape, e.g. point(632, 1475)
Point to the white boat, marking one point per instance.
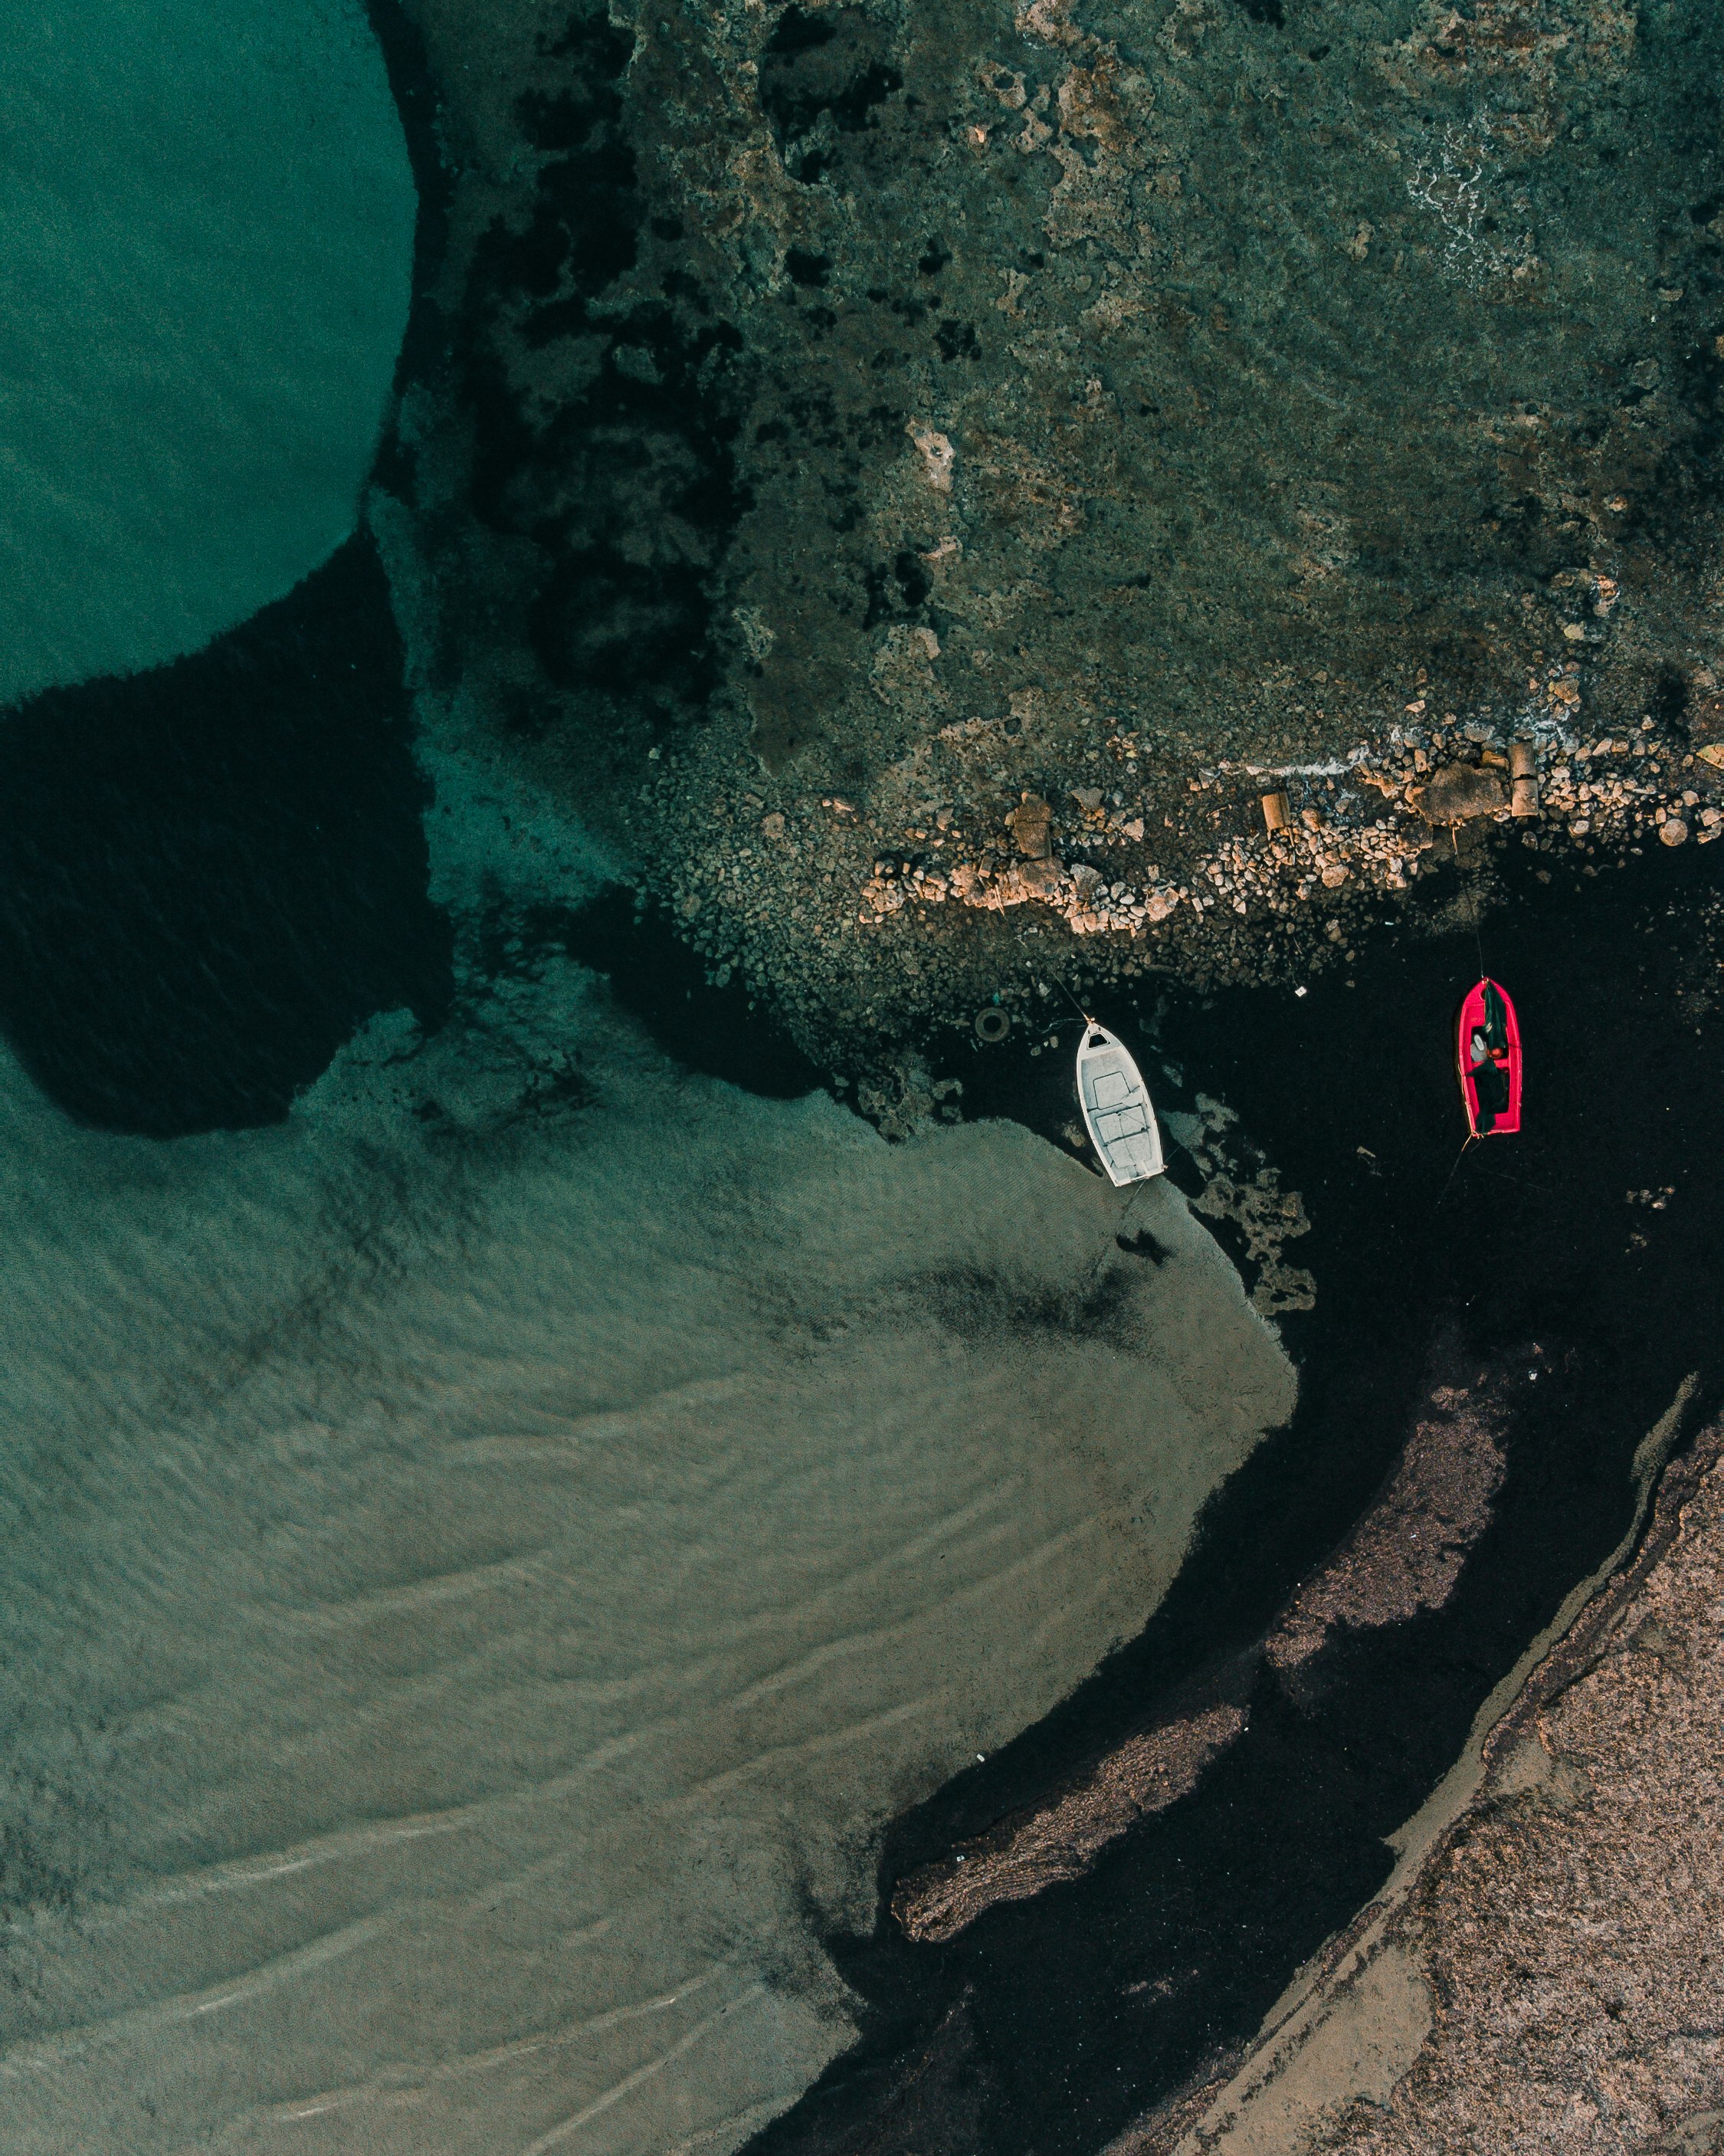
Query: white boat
point(1117, 1108)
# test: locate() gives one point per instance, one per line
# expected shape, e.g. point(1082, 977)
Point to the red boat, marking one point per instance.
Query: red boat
point(1487, 1054)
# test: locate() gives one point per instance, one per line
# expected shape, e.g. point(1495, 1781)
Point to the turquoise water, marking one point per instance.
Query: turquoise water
point(469, 1586)
point(479, 1564)
point(206, 242)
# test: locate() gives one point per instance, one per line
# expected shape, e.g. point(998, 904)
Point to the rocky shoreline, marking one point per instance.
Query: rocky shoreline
point(1249, 906)
point(911, 482)
point(1547, 1974)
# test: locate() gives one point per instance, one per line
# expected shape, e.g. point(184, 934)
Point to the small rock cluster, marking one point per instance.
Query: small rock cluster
point(1632, 788)
point(864, 913)
point(1370, 819)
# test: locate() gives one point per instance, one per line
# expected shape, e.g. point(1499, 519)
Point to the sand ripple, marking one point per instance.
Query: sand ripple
point(468, 1607)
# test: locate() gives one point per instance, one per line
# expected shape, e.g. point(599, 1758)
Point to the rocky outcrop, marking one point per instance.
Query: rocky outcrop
point(1459, 792)
point(861, 402)
point(1548, 1977)
point(1022, 1856)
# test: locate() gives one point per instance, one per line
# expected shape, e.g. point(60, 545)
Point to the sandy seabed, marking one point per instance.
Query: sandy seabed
point(473, 1583)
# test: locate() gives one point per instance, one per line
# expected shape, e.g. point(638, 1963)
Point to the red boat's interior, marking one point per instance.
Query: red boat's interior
point(1472, 1019)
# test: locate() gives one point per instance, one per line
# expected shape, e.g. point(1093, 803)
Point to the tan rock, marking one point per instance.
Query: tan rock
point(1458, 792)
point(1031, 824)
point(884, 896)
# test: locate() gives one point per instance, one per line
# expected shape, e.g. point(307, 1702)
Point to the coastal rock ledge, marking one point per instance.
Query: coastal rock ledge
point(836, 429)
point(1551, 1976)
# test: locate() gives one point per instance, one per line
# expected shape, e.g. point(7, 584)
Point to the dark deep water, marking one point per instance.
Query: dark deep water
point(211, 873)
point(1049, 2024)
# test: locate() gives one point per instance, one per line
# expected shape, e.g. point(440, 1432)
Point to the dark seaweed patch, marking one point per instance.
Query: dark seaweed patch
point(831, 70)
point(797, 32)
point(1669, 701)
point(629, 487)
point(899, 594)
point(912, 578)
point(979, 1303)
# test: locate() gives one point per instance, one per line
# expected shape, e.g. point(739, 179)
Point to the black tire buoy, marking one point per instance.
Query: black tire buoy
point(992, 1024)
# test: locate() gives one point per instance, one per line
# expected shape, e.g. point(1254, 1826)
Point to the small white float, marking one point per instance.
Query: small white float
point(1117, 1108)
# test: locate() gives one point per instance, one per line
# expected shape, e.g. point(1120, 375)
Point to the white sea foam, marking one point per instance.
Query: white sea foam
point(472, 1587)
point(206, 245)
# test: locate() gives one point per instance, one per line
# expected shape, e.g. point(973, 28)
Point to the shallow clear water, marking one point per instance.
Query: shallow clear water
point(474, 1591)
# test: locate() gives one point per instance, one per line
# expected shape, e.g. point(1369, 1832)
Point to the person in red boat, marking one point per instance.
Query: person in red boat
point(1488, 1066)
point(1489, 1072)
point(1487, 1060)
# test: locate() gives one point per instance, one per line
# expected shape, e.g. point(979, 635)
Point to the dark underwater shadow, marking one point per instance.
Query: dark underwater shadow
point(1050, 2024)
point(211, 872)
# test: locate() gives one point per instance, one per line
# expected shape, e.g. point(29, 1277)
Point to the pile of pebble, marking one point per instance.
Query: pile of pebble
point(1370, 820)
point(1632, 788)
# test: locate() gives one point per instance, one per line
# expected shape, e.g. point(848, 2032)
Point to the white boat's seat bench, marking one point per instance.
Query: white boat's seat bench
point(1117, 1108)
